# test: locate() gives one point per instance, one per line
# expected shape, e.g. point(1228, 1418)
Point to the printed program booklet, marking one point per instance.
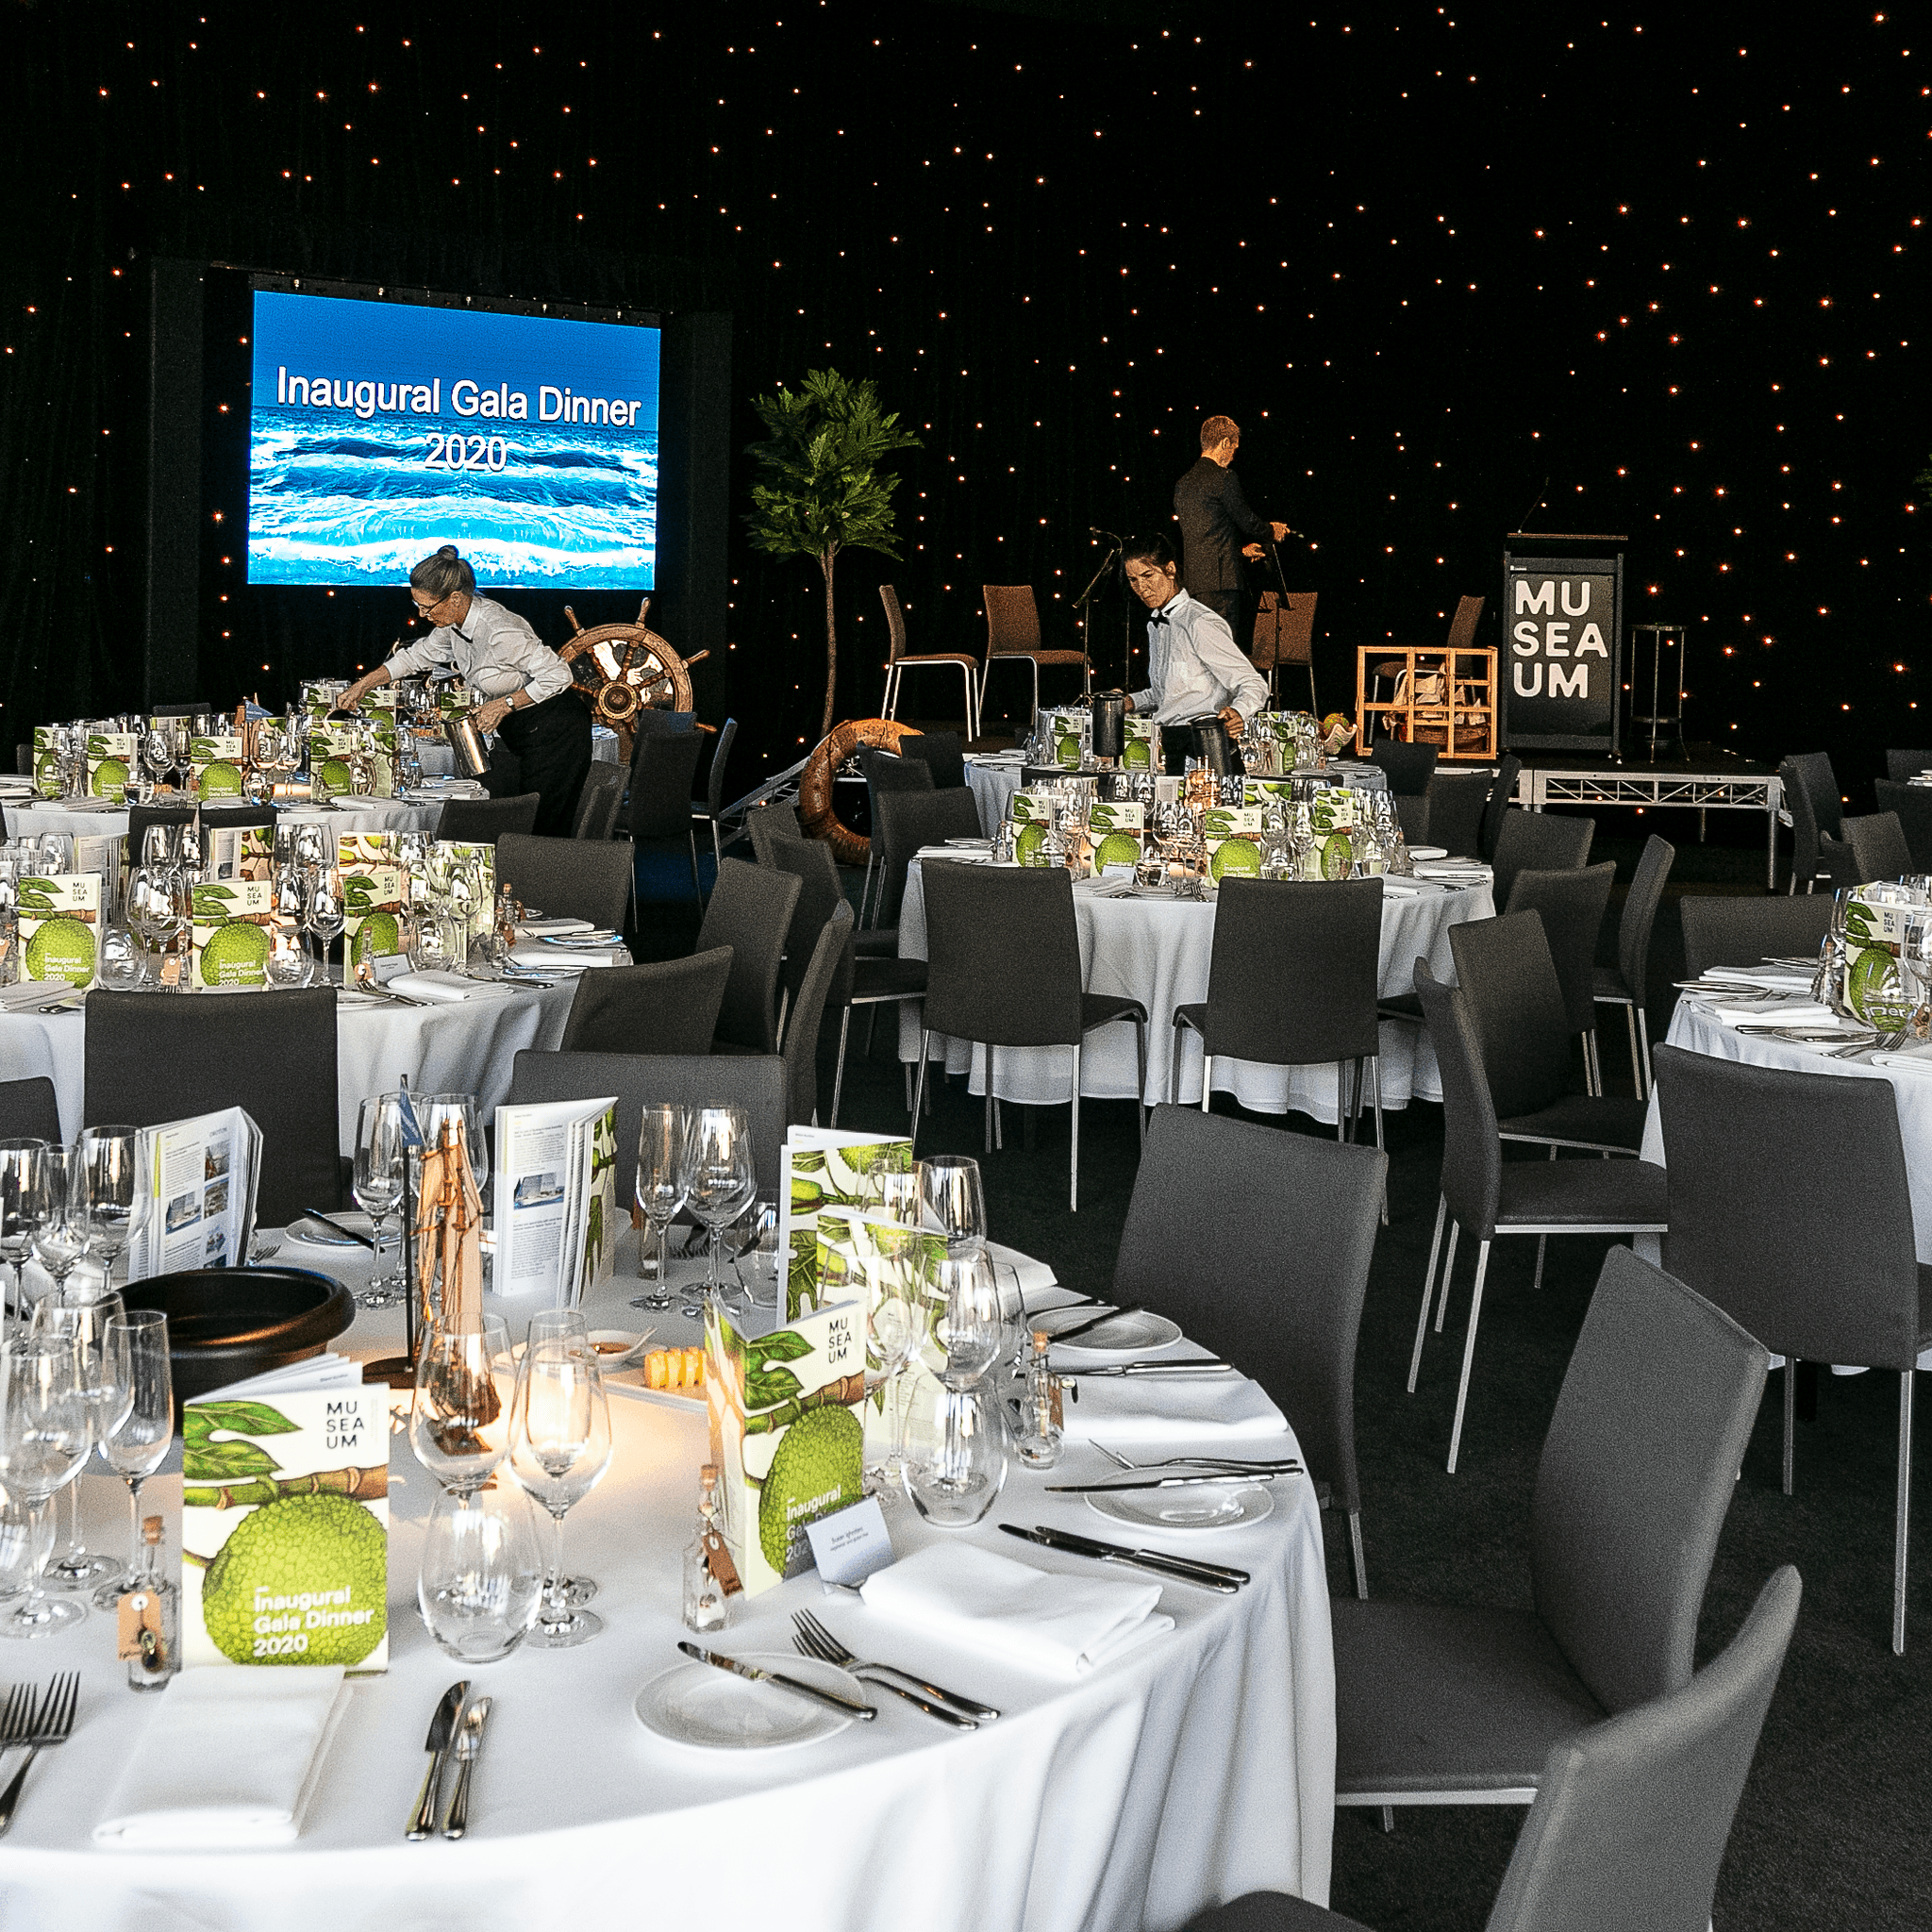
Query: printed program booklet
point(818, 1168)
point(201, 1211)
point(556, 1192)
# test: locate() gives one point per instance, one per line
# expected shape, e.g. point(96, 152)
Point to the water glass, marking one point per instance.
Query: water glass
point(970, 1330)
point(44, 1437)
point(951, 1198)
point(560, 1448)
point(719, 1177)
point(460, 1417)
point(480, 1582)
point(955, 1464)
point(83, 1325)
point(661, 1183)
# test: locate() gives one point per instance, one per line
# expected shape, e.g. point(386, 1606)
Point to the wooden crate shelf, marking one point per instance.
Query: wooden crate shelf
point(1464, 729)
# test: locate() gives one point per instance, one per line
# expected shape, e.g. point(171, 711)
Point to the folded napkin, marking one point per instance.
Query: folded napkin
point(1911, 1061)
point(1447, 869)
point(1035, 1277)
point(1059, 1626)
point(1778, 1013)
point(1104, 888)
point(1179, 1410)
point(228, 1761)
point(1781, 978)
point(538, 927)
point(540, 956)
point(32, 992)
point(440, 986)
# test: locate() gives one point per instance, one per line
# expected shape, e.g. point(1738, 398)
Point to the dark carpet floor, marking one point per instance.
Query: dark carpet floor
point(1835, 1824)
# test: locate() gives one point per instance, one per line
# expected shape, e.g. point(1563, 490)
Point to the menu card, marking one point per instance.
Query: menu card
point(481, 861)
point(820, 1168)
point(201, 1211)
point(556, 1192)
point(47, 763)
point(230, 934)
point(871, 1255)
point(1332, 810)
point(1028, 808)
point(1140, 744)
point(1115, 829)
point(372, 895)
point(1231, 837)
point(784, 1434)
point(1875, 935)
point(59, 926)
point(111, 758)
point(285, 1520)
point(215, 765)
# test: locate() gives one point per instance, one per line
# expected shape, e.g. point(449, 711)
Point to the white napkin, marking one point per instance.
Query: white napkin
point(537, 927)
point(1104, 888)
point(1062, 1626)
point(1784, 978)
point(560, 955)
point(440, 986)
point(1035, 1277)
point(1171, 1410)
point(1912, 1060)
point(228, 1761)
point(1448, 869)
point(1772, 1013)
point(30, 993)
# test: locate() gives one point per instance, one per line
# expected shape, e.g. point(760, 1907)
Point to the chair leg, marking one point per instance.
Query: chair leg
point(1140, 1088)
point(839, 1079)
point(1341, 1100)
point(1448, 1269)
point(1475, 1309)
point(1381, 1145)
point(696, 884)
point(1791, 1419)
point(1206, 1079)
point(1074, 1164)
point(918, 1088)
point(865, 889)
point(905, 1067)
point(1174, 1068)
point(1642, 1085)
point(1542, 1242)
point(1355, 1547)
point(1644, 1039)
point(1905, 1510)
point(1422, 1320)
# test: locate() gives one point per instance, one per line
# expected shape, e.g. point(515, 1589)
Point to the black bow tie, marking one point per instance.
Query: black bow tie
point(1158, 617)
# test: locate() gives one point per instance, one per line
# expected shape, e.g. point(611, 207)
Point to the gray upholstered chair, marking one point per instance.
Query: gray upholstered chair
point(1623, 985)
point(1912, 804)
point(1872, 848)
point(1489, 1198)
point(1631, 1816)
point(1440, 1704)
point(657, 812)
point(749, 911)
point(1571, 906)
point(765, 822)
point(1509, 770)
point(1258, 1242)
point(599, 801)
point(1789, 1207)
point(1455, 817)
point(664, 1006)
point(708, 809)
point(942, 753)
point(1748, 931)
point(30, 1111)
point(484, 821)
point(830, 950)
point(1535, 841)
point(570, 878)
point(1812, 798)
point(886, 775)
point(1902, 766)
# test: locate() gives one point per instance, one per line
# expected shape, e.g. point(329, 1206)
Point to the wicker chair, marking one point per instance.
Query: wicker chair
point(1012, 630)
point(1285, 634)
point(898, 662)
point(1461, 637)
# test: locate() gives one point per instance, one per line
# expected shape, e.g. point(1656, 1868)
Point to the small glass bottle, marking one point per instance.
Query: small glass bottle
point(1053, 846)
point(1042, 1416)
point(710, 1577)
point(151, 1617)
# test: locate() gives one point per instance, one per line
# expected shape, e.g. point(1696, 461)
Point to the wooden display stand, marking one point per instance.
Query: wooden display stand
point(1465, 728)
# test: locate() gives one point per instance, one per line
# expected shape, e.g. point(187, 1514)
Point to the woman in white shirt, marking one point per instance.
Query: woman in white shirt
point(524, 685)
point(1194, 665)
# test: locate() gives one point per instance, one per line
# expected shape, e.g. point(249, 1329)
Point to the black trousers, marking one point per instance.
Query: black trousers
point(551, 742)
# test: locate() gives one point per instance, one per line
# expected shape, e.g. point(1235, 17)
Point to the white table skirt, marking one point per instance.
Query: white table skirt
point(1195, 1770)
point(365, 815)
point(1158, 950)
point(465, 1046)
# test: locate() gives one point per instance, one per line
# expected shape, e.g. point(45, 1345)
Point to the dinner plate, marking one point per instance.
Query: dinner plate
point(1124, 1334)
point(1429, 852)
point(718, 1710)
point(1205, 1507)
point(972, 844)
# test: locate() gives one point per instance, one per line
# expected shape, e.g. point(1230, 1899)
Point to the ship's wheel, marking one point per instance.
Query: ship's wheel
point(622, 669)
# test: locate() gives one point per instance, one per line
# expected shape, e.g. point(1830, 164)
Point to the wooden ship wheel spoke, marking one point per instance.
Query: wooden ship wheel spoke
point(622, 669)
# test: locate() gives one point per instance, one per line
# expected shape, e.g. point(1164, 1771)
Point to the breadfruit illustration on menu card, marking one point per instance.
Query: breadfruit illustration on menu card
point(784, 1432)
point(58, 927)
point(111, 758)
point(230, 936)
point(285, 1528)
point(1232, 835)
point(372, 888)
point(216, 765)
point(822, 1168)
point(1115, 826)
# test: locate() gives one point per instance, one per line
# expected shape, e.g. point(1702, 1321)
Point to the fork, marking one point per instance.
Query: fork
point(814, 1640)
point(1886, 1042)
point(1227, 1462)
point(50, 1723)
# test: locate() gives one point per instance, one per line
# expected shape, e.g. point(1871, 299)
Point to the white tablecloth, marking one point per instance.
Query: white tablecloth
point(364, 815)
point(1156, 950)
point(1194, 1770)
point(464, 1047)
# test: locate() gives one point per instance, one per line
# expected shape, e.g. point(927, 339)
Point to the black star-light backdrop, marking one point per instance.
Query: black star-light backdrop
point(1672, 263)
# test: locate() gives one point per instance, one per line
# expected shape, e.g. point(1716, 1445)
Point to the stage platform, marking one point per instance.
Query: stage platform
point(1703, 781)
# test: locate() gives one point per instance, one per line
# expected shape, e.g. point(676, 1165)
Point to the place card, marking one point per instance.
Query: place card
point(851, 1545)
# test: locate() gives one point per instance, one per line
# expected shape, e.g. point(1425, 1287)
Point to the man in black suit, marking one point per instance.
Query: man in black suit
point(1215, 518)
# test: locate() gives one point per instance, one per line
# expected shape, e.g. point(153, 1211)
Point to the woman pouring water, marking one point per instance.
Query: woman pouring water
point(524, 685)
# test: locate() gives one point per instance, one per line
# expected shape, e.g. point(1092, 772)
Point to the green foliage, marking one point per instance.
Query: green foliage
point(820, 489)
point(204, 1460)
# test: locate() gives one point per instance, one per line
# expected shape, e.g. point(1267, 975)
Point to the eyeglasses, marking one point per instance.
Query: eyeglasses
point(424, 609)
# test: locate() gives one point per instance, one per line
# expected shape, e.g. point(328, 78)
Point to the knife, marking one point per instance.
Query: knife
point(348, 1234)
point(469, 1747)
point(757, 1675)
point(1181, 1569)
point(441, 1729)
point(1201, 1368)
point(1092, 1322)
point(1167, 1482)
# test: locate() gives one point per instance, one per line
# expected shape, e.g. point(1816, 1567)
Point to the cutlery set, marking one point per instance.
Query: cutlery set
point(1215, 1577)
point(35, 1723)
point(452, 1728)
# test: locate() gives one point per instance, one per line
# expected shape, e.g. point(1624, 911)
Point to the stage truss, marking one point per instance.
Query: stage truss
point(1655, 790)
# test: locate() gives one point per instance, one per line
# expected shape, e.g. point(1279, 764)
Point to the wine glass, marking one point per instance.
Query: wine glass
point(660, 1185)
point(324, 914)
point(560, 1448)
point(459, 1416)
point(139, 1396)
point(84, 1326)
point(60, 1241)
point(756, 1232)
point(114, 1191)
point(952, 1199)
point(898, 1330)
point(158, 753)
point(720, 1180)
point(954, 1473)
point(44, 1437)
point(963, 1284)
point(378, 1185)
point(24, 1204)
point(480, 1582)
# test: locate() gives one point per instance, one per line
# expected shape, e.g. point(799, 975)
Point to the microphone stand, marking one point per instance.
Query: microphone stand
point(1281, 590)
point(1084, 602)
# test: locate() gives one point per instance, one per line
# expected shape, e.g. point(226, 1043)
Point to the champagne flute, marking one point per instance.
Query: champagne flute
point(660, 1186)
point(560, 1448)
point(24, 1204)
point(43, 1442)
point(114, 1183)
point(720, 1181)
point(324, 914)
point(84, 1326)
point(140, 1396)
point(60, 1241)
point(465, 1389)
point(378, 1185)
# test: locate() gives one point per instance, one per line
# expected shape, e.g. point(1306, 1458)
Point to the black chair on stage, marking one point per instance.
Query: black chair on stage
point(484, 821)
point(1409, 766)
point(1791, 1208)
point(1900, 766)
point(750, 911)
point(1748, 931)
point(1631, 1816)
point(1258, 1242)
point(570, 878)
point(1535, 841)
point(708, 809)
point(658, 812)
point(1912, 804)
point(663, 1006)
point(1817, 809)
point(1572, 907)
point(1623, 985)
point(1003, 969)
point(1493, 1198)
point(1456, 801)
point(151, 1060)
point(1508, 769)
point(1439, 1704)
point(599, 801)
point(29, 1110)
point(943, 754)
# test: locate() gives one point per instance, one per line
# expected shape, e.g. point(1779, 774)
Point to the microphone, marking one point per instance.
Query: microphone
point(1107, 534)
point(1538, 504)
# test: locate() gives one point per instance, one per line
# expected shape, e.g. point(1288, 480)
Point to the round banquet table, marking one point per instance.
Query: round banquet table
point(1694, 1027)
point(462, 1046)
point(1156, 950)
point(110, 822)
point(1190, 1771)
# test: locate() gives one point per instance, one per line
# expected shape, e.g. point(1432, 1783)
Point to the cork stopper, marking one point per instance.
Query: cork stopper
point(1041, 1339)
point(150, 1529)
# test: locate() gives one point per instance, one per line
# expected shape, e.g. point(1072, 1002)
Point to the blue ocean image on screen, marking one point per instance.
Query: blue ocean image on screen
point(369, 446)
